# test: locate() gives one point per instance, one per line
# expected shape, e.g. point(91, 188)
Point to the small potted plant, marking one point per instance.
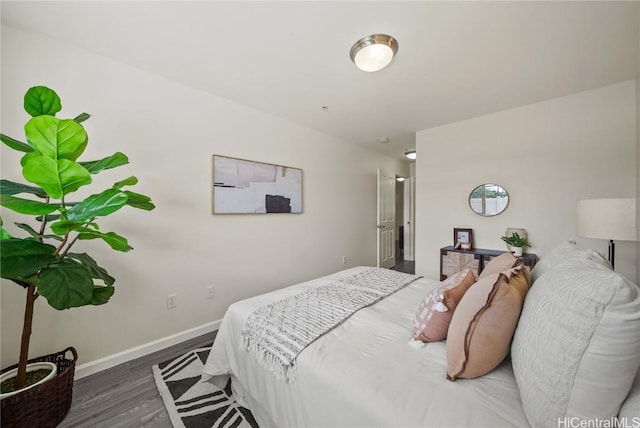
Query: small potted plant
point(516, 243)
point(42, 261)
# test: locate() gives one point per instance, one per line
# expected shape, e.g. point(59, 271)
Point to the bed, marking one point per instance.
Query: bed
point(365, 372)
point(335, 386)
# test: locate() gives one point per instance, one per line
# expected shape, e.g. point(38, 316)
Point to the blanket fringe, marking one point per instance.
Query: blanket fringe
point(283, 372)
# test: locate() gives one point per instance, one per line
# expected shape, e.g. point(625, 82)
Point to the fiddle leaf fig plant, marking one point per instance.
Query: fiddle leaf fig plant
point(42, 261)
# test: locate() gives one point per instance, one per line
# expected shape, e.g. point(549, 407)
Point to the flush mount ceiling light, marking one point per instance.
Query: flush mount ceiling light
point(411, 154)
point(374, 52)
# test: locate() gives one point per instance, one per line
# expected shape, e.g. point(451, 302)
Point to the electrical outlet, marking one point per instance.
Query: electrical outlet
point(172, 301)
point(211, 292)
point(344, 260)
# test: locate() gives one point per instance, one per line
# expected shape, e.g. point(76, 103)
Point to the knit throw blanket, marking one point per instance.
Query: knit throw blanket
point(275, 334)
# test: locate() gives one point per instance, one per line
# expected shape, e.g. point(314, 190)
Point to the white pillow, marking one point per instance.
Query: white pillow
point(630, 409)
point(565, 252)
point(577, 345)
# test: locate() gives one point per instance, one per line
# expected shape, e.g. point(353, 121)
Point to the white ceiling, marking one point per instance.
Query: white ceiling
point(456, 60)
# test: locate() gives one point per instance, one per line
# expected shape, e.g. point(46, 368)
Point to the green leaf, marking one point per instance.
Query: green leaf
point(92, 267)
point(136, 200)
point(100, 205)
point(25, 282)
point(81, 117)
point(41, 100)
point(22, 258)
point(56, 138)
point(15, 144)
point(10, 188)
point(101, 295)
point(28, 156)
point(63, 227)
point(113, 161)
point(26, 206)
point(129, 181)
point(49, 218)
point(57, 178)
point(4, 234)
point(114, 240)
point(66, 285)
point(34, 234)
point(30, 230)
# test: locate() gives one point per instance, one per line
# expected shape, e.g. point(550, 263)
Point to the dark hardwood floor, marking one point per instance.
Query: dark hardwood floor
point(405, 266)
point(125, 396)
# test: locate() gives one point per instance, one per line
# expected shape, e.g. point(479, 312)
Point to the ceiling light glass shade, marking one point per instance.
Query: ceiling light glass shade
point(374, 52)
point(411, 154)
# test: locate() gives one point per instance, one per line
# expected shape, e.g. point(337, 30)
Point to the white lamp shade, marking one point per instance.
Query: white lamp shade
point(612, 219)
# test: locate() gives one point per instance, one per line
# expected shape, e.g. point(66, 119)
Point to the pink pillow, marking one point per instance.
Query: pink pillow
point(501, 263)
point(481, 330)
point(436, 309)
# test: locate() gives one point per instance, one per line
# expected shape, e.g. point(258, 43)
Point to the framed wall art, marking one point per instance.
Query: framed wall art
point(463, 239)
point(248, 187)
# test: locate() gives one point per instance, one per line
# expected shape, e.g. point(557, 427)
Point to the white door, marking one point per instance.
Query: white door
point(409, 218)
point(386, 220)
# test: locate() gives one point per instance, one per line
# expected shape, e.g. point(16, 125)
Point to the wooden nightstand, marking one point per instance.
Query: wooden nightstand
point(454, 260)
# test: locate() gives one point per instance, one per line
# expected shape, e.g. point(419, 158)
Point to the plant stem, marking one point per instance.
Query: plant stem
point(21, 379)
point(73, 241)
point(61, 246)
point(43, 225)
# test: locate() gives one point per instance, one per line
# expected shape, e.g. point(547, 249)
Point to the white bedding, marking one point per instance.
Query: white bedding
point(363, 373)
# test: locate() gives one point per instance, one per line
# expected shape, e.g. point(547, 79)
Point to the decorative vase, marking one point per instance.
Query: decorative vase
point(53, 370)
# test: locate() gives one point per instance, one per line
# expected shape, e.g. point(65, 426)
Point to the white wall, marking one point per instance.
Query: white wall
point(169, 131)
point(547, 155)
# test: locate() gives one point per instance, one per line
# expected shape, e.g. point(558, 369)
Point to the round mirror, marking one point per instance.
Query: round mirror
point(488, 200)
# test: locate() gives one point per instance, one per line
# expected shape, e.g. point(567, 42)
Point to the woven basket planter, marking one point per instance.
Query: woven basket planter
point(45, 405)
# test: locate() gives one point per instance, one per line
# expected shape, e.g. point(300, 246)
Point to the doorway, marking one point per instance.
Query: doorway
point(395, 224)
point(405, 209)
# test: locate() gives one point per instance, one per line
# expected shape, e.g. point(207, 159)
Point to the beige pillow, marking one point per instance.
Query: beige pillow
point(482, 327)
point(499, 264)
point(436, 309)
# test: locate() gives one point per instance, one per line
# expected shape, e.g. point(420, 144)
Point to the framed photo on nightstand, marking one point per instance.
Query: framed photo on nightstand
point(463, 239)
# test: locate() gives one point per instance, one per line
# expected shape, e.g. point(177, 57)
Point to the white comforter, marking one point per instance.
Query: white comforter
point(363, 373)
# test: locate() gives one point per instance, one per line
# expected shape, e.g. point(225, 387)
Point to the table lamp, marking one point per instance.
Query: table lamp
point(612, 219)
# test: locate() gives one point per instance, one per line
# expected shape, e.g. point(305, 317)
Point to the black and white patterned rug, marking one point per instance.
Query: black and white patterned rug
point(194, 404)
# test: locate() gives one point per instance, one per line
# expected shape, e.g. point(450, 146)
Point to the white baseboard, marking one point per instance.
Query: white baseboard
point(101, 364)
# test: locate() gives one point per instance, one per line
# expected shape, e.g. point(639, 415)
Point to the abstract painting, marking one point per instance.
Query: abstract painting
point(248, 187)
